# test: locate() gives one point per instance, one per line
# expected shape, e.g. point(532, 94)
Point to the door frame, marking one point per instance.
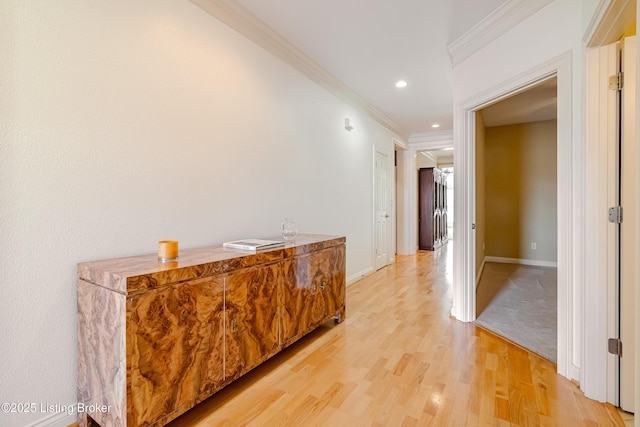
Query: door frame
point(570, 223)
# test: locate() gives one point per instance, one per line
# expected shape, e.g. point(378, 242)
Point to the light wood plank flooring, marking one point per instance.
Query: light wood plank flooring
point(399, 360)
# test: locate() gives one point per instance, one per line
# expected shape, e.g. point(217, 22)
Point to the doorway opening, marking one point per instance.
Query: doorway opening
point(516, 218)
point(435, 201)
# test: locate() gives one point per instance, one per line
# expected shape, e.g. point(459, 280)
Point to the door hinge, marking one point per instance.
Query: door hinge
point(615, 346)
point(615, 214)
point(616, 82)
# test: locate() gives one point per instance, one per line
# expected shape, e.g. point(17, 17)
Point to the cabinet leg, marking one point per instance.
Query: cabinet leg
point(339, 317)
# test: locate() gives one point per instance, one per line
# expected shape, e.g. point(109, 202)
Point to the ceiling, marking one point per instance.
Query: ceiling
point(535, 104)
point(370, 44)
point(359, 49)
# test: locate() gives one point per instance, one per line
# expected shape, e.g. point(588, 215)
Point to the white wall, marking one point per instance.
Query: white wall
point(547, 37)
point(405, 202)
point(589, 8)
point(124, 123)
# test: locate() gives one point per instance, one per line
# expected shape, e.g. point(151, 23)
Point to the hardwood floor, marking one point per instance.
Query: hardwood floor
point(399, 360)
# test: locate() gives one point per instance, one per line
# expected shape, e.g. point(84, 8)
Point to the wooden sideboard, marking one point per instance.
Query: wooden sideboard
point(155, 339)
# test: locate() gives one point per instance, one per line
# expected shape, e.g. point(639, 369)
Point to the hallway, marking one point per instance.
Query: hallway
point(399, 360)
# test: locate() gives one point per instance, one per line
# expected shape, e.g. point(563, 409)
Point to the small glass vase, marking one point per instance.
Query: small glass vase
point(288, 229)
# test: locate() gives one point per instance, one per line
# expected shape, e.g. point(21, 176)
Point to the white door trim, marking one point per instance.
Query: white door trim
point(570, 219)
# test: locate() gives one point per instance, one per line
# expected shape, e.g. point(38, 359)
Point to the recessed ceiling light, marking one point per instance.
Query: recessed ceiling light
point(401, 84)
point(435, 125)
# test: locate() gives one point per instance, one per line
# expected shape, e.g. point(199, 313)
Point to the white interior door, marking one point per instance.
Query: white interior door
point(628, 255)
point(382, 210)
point(614, 110)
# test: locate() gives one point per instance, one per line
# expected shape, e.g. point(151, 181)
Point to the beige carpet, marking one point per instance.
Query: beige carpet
point(519, 302)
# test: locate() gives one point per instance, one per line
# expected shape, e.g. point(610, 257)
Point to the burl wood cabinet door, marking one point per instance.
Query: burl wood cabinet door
point(174, 347)
point(251, 316)
point(327, 284)
point(313, 290)
point(334, 293)
point(295, 299)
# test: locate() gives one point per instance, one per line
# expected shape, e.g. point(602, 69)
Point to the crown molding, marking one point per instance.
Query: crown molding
point(399, 144)
point(429, 156)
point(431, 140)
point(609, 22)
point(493, 26)
point(244, 22)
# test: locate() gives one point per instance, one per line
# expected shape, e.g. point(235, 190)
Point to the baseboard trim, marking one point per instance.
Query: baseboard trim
point(532, 262)
point(58, 419)
point(359, 276)
point(479, 274)
point(574, 373)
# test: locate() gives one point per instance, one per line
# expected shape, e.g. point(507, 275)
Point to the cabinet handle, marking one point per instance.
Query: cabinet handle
point(323, 285)
point(313, 288)
point(234, 325)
